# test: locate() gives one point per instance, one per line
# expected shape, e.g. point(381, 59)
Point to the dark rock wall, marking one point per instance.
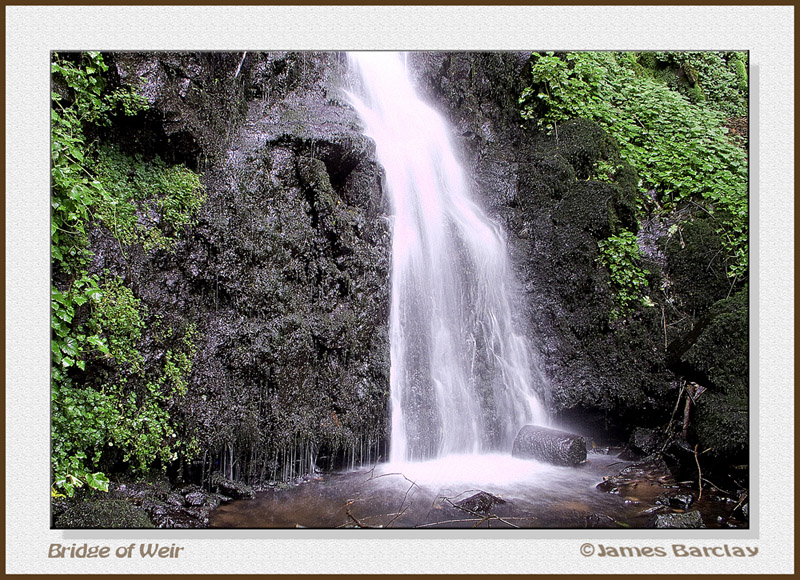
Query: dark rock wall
point(286, 272)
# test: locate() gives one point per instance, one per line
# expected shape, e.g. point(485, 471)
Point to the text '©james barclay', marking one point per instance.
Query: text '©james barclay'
point(675, 550)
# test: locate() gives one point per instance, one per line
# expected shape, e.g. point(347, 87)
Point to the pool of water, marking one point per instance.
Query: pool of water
point(527, 494)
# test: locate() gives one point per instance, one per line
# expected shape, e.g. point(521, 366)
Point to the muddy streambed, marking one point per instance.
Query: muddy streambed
point(493, 491)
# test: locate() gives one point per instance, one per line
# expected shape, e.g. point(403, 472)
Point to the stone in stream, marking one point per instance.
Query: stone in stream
point(233, 489)
point(676, 499)
point(482, 502)
point(550, 445)
point(675, 520)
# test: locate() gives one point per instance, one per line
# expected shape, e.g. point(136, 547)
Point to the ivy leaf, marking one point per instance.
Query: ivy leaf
point(97, 481)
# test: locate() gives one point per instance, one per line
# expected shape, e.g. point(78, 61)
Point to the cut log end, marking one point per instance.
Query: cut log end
point(549, 445)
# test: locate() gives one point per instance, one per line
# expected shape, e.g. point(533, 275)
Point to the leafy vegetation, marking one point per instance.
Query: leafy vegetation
point(620, 254)
point(108, 404)
point(680, 149)
point(716, 79)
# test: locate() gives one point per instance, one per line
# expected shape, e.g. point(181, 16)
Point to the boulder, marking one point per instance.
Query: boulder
point(482, 502)
point(232, 489)
point(550, 445)
point(679, 521)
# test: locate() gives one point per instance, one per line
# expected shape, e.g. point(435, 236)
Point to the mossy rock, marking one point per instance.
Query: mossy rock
point(101, 514)
point(697, 265)
point(626, 198)
point(588, 207)
point(583, 143)
point(722, 348)
point(721, 425)
point(542, 179)
point(717, 356)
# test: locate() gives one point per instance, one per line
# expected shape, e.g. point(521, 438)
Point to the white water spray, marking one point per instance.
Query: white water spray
point(461, 377)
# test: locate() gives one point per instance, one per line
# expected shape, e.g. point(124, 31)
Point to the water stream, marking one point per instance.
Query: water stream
point(462, 376)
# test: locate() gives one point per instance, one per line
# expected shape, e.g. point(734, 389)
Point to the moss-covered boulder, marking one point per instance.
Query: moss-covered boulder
point(100, 513)
point(697, 267)
point(721, 351)
point(716, 355)
point(721, 424)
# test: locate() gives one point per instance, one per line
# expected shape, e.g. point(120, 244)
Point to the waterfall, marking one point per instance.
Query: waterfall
point(462, 379)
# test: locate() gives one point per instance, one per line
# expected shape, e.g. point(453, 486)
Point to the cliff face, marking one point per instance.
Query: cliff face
point(286, 274)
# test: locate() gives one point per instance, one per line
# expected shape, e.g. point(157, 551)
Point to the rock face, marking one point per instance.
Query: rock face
point(679, 521)
point(286, 272)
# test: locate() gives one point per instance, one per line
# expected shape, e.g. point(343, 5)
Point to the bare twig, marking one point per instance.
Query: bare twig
point(687, 413)
point(372, 471)
point(715, 487)
point(358, 523)
point(741, 501)
point(464, 521)
point(241, 62)
point(402, 503)
point(699, 475)
point(477, 514)
point(675, 410)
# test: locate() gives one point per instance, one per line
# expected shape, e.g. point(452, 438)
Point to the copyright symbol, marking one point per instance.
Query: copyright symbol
point(587, 550)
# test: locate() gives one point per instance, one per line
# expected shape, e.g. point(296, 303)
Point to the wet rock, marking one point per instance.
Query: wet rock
point(285, 273)
point(629, 454)
point(600, 521)
point(651, 471)
point(647, 441)
point(164, 515)
point(198, 515)
point(196, 498)
point(233, 489)
point(675, 520)
point(191, 113)
point(482, 502)
point(175, 499)
point(716, 353)
point(676, 499)
point(550, 445)
point(102, 514)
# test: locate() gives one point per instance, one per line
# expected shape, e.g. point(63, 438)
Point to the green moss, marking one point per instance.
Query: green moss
point(107, 402)
point(681, 151)
point(697, 265)
point(584, 144)
point(721, 424)
point(101, 514)
point(721, 352)
point(148, 202)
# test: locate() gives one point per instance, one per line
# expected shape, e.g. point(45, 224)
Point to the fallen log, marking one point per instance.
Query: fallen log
point(550, 445)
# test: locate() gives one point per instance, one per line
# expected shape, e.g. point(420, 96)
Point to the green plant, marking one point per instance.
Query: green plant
point(106, 402)
point(679, 149)
point(148, 202)
point(721, 77)
point(620, 255)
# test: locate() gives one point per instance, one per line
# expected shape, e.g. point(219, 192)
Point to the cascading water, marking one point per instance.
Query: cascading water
point(462, 379)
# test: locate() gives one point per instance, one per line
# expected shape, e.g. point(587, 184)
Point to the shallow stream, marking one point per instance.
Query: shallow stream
point(427, 495)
